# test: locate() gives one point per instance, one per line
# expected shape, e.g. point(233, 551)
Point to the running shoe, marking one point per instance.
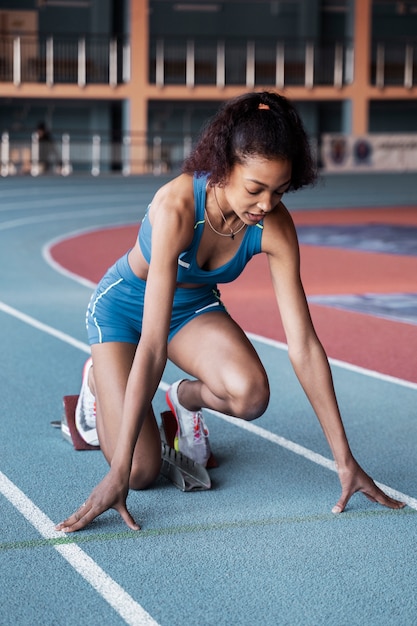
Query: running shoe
point(85, 411)
point(191, 438)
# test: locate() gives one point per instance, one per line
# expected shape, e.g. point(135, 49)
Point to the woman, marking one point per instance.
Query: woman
point(201, 229)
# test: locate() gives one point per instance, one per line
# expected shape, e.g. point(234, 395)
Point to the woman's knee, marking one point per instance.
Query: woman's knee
point(144, 474)
point(249, 395)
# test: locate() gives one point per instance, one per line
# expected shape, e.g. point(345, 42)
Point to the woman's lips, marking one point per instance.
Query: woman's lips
point(254, 217)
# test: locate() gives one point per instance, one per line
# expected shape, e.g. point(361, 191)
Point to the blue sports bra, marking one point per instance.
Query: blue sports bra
point(188, 269)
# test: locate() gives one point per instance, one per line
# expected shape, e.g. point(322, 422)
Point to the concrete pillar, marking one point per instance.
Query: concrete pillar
point(138, 109)
point(362, 50)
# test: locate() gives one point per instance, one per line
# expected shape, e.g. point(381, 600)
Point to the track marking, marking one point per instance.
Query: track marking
point(306, 453)
point(58, 203)
point(342, 364)
point(46, 253)
point(186, 529)
point(314, 457)
point(49, 330)
point(128, 609)
point(54, 217)
point(60, 269)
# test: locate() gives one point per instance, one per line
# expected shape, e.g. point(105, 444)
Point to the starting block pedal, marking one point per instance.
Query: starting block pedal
point(68, 428)
point(184, 473)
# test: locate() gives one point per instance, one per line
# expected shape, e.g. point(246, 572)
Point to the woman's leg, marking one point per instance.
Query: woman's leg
point(108, 379)
point(230, 377)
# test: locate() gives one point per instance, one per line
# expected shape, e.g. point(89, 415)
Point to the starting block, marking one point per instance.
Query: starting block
point(68, 428)
point(184, 473)
point(168, 431)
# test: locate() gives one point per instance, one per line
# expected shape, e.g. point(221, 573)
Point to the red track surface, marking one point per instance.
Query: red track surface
point(371, 342)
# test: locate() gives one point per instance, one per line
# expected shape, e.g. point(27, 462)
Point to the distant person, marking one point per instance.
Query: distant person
point(160, 300)
point(48, 156)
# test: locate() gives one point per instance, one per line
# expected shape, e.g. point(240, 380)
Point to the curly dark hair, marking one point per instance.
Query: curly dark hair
point(261, 124)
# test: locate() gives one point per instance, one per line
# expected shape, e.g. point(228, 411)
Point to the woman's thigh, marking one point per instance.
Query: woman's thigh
point(214, 349)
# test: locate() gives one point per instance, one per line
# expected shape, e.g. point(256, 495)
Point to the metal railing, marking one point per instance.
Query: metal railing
point(208, 61)
point(173, 61)
point(394, 64)
point(97, 154)
point(101, 59)
point(64, 59)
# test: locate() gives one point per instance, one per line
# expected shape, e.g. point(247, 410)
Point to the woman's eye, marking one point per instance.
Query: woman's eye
point(281, 193)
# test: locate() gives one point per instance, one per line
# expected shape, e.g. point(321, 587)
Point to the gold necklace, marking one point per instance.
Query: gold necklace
point(232, 232)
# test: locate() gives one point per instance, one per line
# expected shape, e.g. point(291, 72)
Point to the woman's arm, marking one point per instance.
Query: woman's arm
point(172, 228)
point(150, 358)
point(309, 359)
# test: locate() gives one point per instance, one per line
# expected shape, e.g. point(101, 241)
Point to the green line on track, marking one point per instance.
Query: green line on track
point(193, 528)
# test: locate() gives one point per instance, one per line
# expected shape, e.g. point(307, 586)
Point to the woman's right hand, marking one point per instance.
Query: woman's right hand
point(110, 493)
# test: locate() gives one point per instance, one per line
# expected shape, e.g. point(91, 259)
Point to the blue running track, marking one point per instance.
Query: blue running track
point(260, 548)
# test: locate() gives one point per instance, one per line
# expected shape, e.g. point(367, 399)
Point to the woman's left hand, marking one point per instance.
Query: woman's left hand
point(354, 479)
point(110, 493)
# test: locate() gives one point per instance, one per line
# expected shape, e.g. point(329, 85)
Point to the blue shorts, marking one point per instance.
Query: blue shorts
point(115, 310)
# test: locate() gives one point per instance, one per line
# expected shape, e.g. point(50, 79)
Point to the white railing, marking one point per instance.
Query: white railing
point(249, 62)
point(52, 59)
point(203, 61)
point(394, 63)
point(67, 154)
point(208, 61)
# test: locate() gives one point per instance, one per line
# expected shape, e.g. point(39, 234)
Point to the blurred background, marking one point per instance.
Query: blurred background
point(124, 86)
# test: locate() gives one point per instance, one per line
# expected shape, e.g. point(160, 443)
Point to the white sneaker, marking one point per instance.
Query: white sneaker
point(85, 411)
point(192, 434)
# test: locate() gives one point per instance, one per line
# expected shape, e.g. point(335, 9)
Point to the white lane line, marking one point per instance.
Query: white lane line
point(60, 269)
point(49, 330)
point(54, 217)
point(342, 364)
point(128, 609)
point(314, 457)
point(46, 253)
point(29, 203)
point(306, 453)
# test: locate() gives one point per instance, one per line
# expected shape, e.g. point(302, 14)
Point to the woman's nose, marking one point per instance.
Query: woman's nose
point(265, 205)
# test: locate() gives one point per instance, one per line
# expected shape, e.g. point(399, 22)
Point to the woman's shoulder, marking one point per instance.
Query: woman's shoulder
point(177, 192)
point(173, 203)
point(279, 232)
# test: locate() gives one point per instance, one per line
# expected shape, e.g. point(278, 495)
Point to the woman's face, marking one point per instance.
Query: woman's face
point(255, 188)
